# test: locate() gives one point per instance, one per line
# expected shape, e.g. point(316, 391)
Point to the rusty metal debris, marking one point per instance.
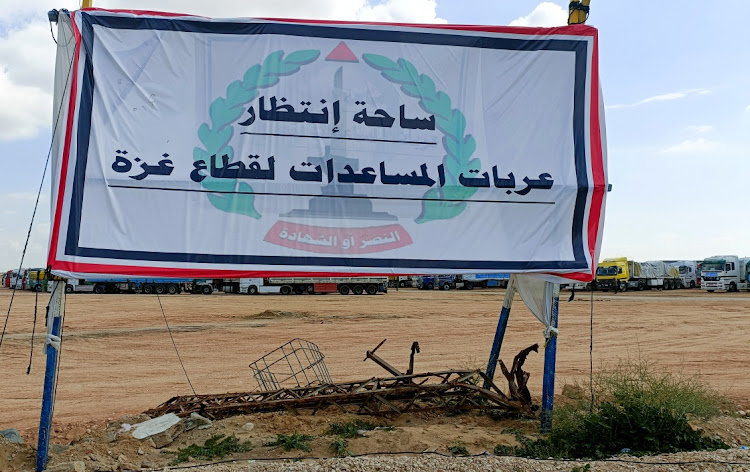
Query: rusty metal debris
point(300, 362)
point(447, 390)
point(518, 378)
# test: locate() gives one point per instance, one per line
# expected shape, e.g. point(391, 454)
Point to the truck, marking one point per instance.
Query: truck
point(140, 285)
point(430, 282)
point(623, 274)
point(36, 280)
point(471, 281)
point(728, 273)
point(400, 281)
point(308, 285)
point(688, 272)
point(6, 278)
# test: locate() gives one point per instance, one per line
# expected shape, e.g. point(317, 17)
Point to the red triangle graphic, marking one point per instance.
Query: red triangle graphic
point(342, 53)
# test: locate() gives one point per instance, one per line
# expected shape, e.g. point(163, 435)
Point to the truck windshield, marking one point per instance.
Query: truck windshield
point(713, 266)
point(684, 270)
point(606, 271)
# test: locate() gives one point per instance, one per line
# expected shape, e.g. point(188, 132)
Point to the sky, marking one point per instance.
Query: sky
point(675, 78)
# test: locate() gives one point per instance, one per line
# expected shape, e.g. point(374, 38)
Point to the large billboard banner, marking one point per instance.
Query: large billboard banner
point(203, 147)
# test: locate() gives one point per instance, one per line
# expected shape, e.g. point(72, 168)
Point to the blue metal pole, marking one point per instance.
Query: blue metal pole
point(54, 325)
point(550, 353)
point(502, 324)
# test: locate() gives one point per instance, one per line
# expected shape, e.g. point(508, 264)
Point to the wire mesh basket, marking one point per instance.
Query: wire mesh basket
point(298, 363)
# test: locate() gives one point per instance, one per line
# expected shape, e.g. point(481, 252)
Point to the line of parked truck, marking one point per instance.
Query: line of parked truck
point(726, 273)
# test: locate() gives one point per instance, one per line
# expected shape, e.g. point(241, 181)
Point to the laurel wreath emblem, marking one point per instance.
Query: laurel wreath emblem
point(225, 110)
point(439, 203)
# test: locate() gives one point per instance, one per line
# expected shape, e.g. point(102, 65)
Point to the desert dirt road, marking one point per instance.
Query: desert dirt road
point(117, 357)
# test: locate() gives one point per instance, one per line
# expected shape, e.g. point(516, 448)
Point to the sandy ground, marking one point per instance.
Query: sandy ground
point(117, 357)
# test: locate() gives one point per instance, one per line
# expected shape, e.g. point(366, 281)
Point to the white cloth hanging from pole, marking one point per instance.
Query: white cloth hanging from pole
point(537, 294)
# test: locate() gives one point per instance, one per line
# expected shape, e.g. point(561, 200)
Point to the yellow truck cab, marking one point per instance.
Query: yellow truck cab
point(611, 273)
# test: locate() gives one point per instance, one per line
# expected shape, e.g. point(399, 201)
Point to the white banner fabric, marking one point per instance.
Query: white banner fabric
point(198, 147)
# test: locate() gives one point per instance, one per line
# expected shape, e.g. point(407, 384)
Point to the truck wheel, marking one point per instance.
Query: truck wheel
point(344, 290)
point(640, 285)
point(446, 286)
point(286, 290)
point(733, 287)
point(148, 289)
point(358, 290)
point(206, 290)
point(371, 289)
point(430, 286)
point(172, 289)
point(252, 290)
point(311, 289)
point(99, 288)
point(68, 288)
point(692, 284)
point(469, 285)
point(160, 289)
point(624, 287)
point(401, 284)
point(37, 288)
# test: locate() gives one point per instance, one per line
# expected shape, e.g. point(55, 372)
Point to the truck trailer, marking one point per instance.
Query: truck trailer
point(472, 281)
point(140, 285)
point(623, 274)
point(728, 273)
point(308, 285)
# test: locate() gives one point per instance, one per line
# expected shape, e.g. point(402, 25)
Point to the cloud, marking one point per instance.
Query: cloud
point(747, 108)
point(545, 14)
point(27, 52)
point(27, 56)
point(692, 146)
point(662, 98)
point(698, 129)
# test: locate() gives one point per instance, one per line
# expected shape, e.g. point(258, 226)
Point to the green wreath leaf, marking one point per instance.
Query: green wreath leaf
point(440, 203)
point(226, 110)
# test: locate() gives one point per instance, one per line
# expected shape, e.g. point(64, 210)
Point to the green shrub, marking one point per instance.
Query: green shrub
point(339, 447)
point(292, 441)
point(215, 447)
point(638, 407)
point(641, 380)
point(458, 449)
point(350, 429)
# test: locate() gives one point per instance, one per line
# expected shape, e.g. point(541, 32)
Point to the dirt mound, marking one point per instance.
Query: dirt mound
point(277, 314)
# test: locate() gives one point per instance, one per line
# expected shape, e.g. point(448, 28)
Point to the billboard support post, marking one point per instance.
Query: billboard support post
point(52, 348)
point(502, 324)
point(550, 353)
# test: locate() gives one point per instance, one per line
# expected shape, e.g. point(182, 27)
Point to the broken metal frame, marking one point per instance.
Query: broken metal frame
point(433, 391)
point(299, 362)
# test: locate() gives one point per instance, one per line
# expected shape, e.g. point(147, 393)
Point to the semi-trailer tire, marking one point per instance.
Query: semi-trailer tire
point(311, 289)
point(469, 285)
point(430, 286)
point(206, 290)
point(148, 289)
point(401, 283)
point(286, 290)
point(344, 290)
point(99, 289)
point(37, 288)
point(640, 285)
point(446, 286)
point(371, 289)
point(358, 290)
point(68, 288)
point(160, 289)
point(252, 290)
point(172, 289)
point(732, 287)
